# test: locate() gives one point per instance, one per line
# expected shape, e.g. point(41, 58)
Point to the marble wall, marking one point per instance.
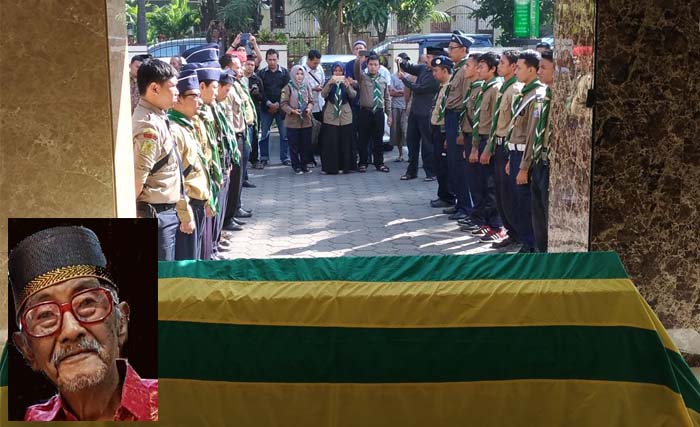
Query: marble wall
point(570, 157)
point(59, 140)
point(646, 157)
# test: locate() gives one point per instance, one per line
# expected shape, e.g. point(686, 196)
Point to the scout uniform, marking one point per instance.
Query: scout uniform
point(251, 118)
point(437, 122)
point(374, 101)
point(482, 186)
point(496, 144)
point(538, 153)
point(526, 111)
point(451, 108)
point(195, 171)
point(156, 166)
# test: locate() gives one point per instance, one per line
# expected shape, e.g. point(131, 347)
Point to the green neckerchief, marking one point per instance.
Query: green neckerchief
point(517, 100)
point(477, 106)
point(494, 123)
point(215, 171)
point(443, 104)
point(183, 121)
point(473, 85)
point(338, 99)
point(300, 98)
point(377, 96)
point(237, 86)
point(542, 127)
point(227, 133)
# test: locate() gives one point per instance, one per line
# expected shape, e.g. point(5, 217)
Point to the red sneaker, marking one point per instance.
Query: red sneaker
point(494, 236)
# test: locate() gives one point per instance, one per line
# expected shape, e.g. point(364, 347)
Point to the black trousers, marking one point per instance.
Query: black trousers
point(419, 140)
point(299, 147)
point(189, 246)
point(254, 143)
point(168, 224)
point(371, 133)
point(483, 192)
point(220, 216)
point(440, 164)
point(504, 192)
point(539, 187)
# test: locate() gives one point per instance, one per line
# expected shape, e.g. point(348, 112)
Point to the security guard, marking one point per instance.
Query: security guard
point(442, 67)
point(157, 170)
point(451, 107)
point(195, 167)
point(497, 152)
point(526, 109)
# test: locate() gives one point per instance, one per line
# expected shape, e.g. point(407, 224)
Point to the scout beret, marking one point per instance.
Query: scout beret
point(188, 79)
point(461, 39)
point(442, 61)
point(207, 70)
point(228, 77)
point(203, 53)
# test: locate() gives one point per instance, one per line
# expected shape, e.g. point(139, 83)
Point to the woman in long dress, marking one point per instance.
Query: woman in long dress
point(336, 148)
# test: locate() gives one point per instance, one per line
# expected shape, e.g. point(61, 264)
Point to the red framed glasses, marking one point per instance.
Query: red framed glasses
point(88, 306)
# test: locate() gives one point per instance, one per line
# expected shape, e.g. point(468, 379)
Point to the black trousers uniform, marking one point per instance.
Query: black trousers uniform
point(440, 164)
point(419, 140)
point(371, 133)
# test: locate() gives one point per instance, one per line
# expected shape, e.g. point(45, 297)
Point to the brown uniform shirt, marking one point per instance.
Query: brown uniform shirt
point(488, 106)
point(152, 142)
point(458, 87)
point(525, 123)
point(345, 117)
point(366, 89)
point(289, 102)
point(234, 112)
point(505, 109)
point(436, 108)
point(197, 179)
point(471, 103)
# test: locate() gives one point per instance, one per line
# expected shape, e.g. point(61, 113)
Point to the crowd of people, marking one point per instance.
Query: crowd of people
point(478, 122)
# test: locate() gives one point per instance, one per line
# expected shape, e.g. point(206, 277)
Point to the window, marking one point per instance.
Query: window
point(277, 14)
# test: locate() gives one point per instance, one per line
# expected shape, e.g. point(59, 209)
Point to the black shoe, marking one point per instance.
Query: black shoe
point(240, 213)
point(238, 221)
point(526, 250)
point(248, 184)
point(503, 243)
point(465, 221)
point(232, 226)
point(451, 210)
point(469, 228)
point(457, 216)
point(439, 203)
point(287, 162)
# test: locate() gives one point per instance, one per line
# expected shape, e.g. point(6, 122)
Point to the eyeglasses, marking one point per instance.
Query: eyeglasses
point(194, 95)
point(88, 306)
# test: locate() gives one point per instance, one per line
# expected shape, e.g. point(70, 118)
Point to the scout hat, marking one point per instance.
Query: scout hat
point(207, 70)
point(461, 39)
point(203, 53)
point(442, 61)
point(188, 79)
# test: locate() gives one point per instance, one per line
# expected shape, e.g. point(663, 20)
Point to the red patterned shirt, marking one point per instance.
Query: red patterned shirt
point(139, 401)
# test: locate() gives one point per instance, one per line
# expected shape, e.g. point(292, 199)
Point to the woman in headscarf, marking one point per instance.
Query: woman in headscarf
point(336, 149)
point(297, 103)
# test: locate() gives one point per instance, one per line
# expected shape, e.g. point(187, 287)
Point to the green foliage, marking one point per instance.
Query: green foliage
point(500, 14)
point(239, 15)
point(266, 36)
point(175, 20)
point(412, 13)
point(132, 11)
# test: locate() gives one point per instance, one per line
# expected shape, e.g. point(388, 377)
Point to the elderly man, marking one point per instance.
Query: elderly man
point(72, 328)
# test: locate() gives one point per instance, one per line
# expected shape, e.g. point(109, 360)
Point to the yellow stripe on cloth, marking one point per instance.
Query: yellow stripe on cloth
point(590, 302)
point(522, 403)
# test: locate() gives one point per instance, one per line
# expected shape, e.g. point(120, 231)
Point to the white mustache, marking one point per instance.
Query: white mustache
point(85, 344)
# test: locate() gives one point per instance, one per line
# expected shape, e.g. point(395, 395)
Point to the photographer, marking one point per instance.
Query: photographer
point(248, 45)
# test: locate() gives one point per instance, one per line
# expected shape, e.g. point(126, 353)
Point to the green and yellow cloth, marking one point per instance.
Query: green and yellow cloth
point(495, 340)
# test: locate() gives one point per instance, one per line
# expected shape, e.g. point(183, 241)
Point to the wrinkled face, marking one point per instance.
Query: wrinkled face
point(175, 63)
point(358, 48)
point(338, 71)
point(456, 51)
point(299, 76)
point(189, 102)
point(78, 355)
point(470, 70)
point(236, 64)
point(271, 61)
point(546, 71)
point(373, 67)
point(505, 68)
point(313, 63)
point(525, 73)
point(134, 68)
point(209, 92)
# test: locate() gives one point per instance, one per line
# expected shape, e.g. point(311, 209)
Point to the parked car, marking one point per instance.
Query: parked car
point(327, 62)
point(167, 49)
point(482, 42)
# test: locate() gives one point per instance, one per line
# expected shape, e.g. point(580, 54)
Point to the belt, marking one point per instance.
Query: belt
point(370, 109)
point(516, 147)
point(160, 207)
point(500, 140)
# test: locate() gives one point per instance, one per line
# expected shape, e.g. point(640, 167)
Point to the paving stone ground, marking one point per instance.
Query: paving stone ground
point(358, 214)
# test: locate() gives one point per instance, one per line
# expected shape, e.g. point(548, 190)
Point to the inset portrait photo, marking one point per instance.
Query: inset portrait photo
point(83, 313)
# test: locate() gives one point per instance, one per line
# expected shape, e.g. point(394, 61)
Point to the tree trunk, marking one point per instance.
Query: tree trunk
point(333, 39)
point(141, 22)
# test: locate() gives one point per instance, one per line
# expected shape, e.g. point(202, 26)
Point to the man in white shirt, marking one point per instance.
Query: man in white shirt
point(315, 79)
